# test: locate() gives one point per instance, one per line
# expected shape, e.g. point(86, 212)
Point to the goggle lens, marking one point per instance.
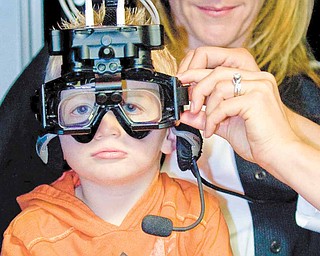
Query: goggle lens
point(79, 107)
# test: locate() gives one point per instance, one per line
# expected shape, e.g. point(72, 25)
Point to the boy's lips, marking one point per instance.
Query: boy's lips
point(109, 154)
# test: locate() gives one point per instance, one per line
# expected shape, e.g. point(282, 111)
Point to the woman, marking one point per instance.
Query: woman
point(274, 33)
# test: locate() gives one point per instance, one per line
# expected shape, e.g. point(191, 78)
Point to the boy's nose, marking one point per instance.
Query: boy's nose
point(109, 126)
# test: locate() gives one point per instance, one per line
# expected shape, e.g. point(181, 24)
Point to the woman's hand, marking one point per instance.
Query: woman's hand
point(254, 123)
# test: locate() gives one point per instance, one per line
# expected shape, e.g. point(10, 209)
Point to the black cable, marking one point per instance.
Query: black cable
point(233, 193)
point(248, 198)
point(196, 173)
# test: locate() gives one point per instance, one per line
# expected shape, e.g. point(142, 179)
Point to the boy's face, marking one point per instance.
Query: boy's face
point(114, 157)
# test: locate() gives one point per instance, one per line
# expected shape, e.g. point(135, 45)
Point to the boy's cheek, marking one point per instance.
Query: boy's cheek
point(68, 144)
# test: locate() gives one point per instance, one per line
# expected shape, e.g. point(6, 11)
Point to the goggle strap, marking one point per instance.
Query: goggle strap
point(110, 18)
point(183, 97)
point(42, 146)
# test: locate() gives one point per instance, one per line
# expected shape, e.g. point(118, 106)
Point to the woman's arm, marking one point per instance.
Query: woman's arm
point(307, 130)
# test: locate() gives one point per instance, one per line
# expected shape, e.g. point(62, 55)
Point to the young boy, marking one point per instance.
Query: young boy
point(97, 207)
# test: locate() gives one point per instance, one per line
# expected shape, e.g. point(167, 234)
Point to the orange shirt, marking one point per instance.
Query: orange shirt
point(55, 222)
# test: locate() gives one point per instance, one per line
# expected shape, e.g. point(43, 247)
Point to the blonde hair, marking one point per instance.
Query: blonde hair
point(162, 60)
point(277, 39)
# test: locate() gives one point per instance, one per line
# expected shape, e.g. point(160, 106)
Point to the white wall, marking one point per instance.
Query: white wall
point(21, 32)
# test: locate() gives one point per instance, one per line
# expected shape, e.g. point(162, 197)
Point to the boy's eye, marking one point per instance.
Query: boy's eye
point(82, 110)
point(130, 108)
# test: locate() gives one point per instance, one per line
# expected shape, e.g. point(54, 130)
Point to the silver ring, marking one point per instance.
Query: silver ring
point(237, 84)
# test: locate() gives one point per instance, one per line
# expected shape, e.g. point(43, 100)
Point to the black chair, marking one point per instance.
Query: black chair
point(21, 169)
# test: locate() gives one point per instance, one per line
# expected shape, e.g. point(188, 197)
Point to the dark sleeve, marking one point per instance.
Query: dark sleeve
point(302, 95)
point(20, 168)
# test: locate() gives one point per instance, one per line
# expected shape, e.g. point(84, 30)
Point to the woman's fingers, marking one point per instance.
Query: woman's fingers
point(259, 98)
point(259, 108)
point(212, 57)
point(197, 121)
point(218, 85)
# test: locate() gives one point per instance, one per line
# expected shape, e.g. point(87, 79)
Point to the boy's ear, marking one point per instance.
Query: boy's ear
point(169, 142)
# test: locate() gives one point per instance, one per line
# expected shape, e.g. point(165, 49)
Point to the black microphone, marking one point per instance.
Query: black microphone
point(157, 225)
point(161, 226)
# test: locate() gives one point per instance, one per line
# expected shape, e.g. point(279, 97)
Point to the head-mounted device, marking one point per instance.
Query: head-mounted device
point(108, 68)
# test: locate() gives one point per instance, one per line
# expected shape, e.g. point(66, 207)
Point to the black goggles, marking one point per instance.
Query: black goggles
point(141, 99)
